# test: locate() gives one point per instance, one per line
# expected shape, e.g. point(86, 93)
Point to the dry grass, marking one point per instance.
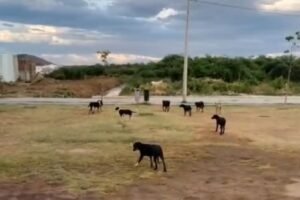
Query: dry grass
point(65, 145)
point(56, 88)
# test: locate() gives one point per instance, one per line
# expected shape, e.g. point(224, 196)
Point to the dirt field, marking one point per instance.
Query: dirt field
point(62, 153)
point(56, 88)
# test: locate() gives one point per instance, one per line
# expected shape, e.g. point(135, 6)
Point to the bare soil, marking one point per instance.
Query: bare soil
point(228, 172)
point(60, 88)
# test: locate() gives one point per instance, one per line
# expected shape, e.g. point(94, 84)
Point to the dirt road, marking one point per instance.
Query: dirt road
point(156, 100)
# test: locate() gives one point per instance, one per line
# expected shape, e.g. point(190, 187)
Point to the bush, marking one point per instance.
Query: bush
point(278, 83)
point(240, 87)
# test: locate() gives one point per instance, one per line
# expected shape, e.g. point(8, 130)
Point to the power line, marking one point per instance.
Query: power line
point(245, 8)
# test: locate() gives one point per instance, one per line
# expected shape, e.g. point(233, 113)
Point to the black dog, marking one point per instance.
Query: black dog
point(150, 150)
point(166, 105)
point(186, 109)
point(98, 105)
point(199, 105)
point(124, 112)
point(220, 121)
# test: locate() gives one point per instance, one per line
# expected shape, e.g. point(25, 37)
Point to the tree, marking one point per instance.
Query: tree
point(293, 41)
point(103, 56)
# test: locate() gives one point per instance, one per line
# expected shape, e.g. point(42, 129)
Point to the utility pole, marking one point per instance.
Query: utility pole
point(287, 86)
point(293, 39)
point(185, 66)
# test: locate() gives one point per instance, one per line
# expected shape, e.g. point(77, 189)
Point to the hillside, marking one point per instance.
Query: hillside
point(60, 88)
point(37, 60)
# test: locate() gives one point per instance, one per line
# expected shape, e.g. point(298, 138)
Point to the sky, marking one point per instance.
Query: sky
point(68, 32)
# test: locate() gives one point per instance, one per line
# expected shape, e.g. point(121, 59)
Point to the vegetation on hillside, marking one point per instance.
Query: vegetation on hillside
point(207, 75)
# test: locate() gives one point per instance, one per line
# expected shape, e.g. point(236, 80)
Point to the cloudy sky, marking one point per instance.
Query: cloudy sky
point(72, 31)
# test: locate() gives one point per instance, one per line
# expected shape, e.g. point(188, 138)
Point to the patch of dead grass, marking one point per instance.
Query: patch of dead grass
point(65, 146)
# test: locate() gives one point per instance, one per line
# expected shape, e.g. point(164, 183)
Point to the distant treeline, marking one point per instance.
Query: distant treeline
point(250, 71)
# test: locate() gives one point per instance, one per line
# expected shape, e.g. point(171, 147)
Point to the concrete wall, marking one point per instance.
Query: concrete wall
point(9, 71)
point(27, 70)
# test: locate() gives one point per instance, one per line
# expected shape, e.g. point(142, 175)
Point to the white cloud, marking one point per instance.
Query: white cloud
point(165, 15)
point(273, 55)
point(90, 59)
point(281, 5)
point(28, 33)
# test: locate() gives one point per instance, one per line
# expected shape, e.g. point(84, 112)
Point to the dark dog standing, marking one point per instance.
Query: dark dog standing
point(199, 105)
point(97, 105)
point(152, 151)
point(186, 109)
point(220, 121)
point(123, 112)
point(166, 105)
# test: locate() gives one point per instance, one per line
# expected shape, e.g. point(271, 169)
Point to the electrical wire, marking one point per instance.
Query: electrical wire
point(246, 8)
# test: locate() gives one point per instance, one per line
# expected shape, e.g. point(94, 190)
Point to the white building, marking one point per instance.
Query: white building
point(9, 71)
point(46, 69)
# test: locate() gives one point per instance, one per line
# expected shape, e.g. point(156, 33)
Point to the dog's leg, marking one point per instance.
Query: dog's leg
point(217, 126)
point(164, 164)
point(139, 160)
point(151, 163)
point(155, 162)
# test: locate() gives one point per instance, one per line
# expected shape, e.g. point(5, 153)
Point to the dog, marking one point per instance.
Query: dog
point(186, 109)
point(166, 105)
point(153, 151)
point(97, 105)
point(123, 112)
point(199, 105)
point(220, 121)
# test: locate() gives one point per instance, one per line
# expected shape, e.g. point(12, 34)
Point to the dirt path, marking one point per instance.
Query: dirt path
point(227, 173)
point(115, 92)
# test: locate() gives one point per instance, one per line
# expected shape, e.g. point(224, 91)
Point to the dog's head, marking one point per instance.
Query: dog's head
point(117, 108)
point(215, 117)
point(181, 106)
point(136, 146)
